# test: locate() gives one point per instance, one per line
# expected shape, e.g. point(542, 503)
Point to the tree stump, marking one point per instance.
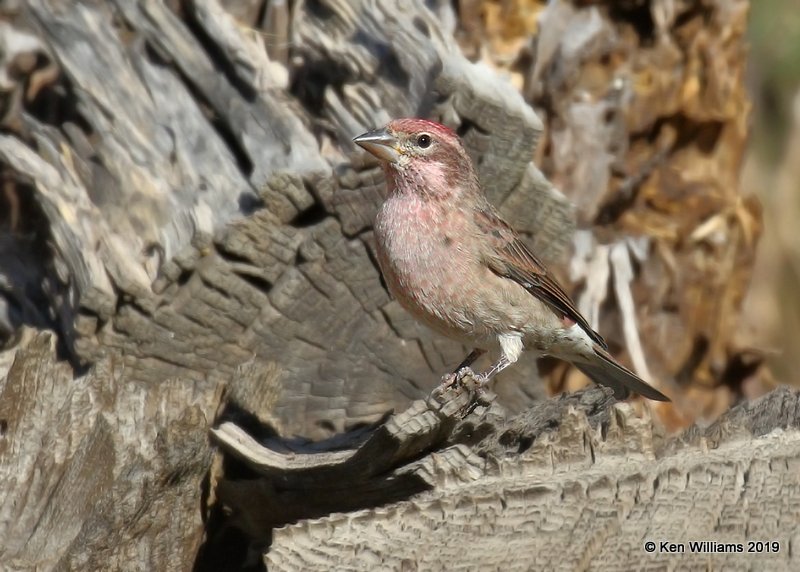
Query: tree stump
point(185, 237)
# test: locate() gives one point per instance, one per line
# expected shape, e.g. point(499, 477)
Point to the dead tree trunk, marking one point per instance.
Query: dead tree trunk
point(569, 484)
point(183, 207)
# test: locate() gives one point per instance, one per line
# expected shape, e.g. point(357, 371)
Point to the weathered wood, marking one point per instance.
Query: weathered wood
point(69, 431)
point(579, 484)
point(186, 212)
point(187, 125)
point(95, 469)
point(410, 452)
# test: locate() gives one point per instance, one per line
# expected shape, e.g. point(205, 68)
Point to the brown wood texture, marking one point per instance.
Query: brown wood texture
point(96, 472)
point(185, 238)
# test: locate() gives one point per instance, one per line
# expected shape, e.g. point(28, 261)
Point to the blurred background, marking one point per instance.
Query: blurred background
point(772, 173)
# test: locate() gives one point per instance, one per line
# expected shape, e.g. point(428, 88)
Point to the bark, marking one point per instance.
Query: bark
point(186, 237)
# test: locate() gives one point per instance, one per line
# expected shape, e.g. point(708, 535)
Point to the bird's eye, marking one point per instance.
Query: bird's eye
point(424, 141)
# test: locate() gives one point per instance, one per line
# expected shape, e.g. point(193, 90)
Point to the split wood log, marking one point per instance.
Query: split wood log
point(574, 483)
point(97, 472)
point(89, 488)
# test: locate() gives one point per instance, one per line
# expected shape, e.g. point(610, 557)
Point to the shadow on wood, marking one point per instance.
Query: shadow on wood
point(573, 482)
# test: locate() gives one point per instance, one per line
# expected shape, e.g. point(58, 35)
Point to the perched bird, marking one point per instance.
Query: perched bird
point(452, 262)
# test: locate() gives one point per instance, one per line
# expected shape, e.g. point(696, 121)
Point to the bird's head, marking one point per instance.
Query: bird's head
point(423, 155)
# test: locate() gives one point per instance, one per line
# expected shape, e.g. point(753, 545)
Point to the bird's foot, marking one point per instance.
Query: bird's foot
point(464, 381)
point(457, 377)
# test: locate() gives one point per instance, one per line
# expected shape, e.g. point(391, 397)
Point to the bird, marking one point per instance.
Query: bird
point(453, 263)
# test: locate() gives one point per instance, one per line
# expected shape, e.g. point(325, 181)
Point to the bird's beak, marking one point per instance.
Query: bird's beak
point(380, 143)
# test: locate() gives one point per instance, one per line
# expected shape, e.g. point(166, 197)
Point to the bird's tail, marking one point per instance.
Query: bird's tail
point(604, 369)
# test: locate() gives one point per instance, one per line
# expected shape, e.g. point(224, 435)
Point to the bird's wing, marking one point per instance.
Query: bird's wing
point(509, 257)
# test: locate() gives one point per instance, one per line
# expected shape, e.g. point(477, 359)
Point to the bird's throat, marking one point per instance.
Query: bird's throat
point(428, 181)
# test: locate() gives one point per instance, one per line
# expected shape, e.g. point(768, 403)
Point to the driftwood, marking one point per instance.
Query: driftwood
point(186, 237)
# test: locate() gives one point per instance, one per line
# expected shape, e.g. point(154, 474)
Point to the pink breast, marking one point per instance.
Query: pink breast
point(424, 267)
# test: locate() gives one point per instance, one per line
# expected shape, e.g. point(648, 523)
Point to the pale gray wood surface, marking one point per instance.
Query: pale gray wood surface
point(189, 216)
point(576, 485)
point(97, 472)
point(204, 211)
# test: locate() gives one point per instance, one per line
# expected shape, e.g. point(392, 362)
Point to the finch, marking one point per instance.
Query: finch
point(454, 264)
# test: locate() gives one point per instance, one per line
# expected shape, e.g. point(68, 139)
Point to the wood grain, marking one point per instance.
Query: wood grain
point(187, 244)
point(581, 494)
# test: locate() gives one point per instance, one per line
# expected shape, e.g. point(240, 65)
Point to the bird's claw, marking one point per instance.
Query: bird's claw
point(465, 380)
point(457, 377)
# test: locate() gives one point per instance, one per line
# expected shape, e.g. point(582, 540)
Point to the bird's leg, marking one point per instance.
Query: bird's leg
point(477, 389)
point(511, 348)
point(496, 368)
point(470, 359)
